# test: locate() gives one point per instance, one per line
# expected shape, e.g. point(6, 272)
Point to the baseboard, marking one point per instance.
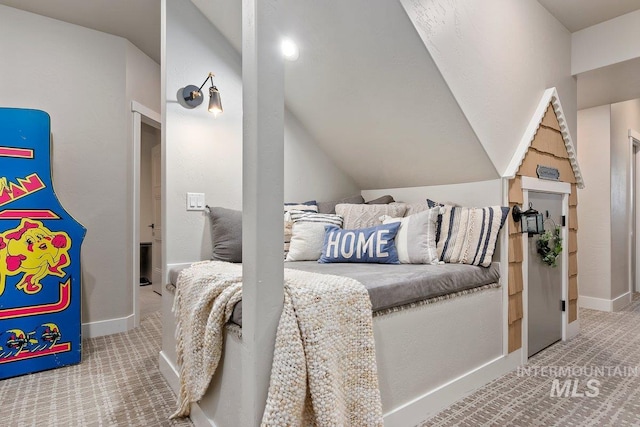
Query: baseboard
point(442, 397)
point(169, 372)
point(171, 375)
point(594, 303)
point(603, 304)
point(621, 302)
point(108, 327)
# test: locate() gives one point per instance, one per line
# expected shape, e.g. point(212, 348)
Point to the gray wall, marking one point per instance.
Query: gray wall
point(204, 154)
point(85, 80)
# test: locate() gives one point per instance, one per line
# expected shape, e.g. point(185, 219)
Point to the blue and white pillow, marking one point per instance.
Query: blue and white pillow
point(372, 244)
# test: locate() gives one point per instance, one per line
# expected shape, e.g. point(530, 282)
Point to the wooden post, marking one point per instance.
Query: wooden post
point(263, 198)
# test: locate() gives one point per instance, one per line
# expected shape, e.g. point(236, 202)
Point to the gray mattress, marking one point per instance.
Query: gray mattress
point(395, 285)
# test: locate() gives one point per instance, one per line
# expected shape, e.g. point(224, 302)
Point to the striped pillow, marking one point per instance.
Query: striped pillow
point(416, 238)
point(304, 216)
point(469, 235)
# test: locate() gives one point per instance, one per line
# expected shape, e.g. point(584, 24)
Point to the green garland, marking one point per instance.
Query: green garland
point(549, 246)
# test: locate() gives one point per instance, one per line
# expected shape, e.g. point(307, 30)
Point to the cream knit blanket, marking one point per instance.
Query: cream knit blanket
point(324, 368)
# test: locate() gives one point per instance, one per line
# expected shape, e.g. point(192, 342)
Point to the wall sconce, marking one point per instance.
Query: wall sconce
point(193, 96)
point(531, 221)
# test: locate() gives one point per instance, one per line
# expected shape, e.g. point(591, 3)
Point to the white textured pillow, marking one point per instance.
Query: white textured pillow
point(364, 216)
point(414, 208)
point(308, 235)
point(416, 238)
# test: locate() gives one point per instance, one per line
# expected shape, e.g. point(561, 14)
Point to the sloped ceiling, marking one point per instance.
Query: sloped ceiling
point(136, 20)
point(367, 89)
point(498, 57)
point(576, 15)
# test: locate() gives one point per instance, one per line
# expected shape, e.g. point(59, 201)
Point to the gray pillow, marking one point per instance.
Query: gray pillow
point(226, 234)
point(330, 207)
point(384, 200)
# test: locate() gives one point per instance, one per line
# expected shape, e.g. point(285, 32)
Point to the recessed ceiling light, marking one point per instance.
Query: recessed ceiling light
point(289, 50)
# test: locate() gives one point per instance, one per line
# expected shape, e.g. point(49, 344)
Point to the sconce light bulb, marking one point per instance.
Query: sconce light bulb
point(215, 103)
point(289, 50)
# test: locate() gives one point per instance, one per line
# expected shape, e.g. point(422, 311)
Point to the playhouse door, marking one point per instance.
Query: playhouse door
point(545, 282)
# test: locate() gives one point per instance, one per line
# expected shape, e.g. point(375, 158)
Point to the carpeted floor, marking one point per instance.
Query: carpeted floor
point(607, 341)
point(117, 384)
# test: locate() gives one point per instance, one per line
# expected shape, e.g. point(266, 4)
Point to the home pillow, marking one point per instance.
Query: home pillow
point(330, 207)
point(308, 234)
point(372, 244)
point(310, 206)
point(226, 234)
point(416, 238)
point(361, 216)
point(469, 235)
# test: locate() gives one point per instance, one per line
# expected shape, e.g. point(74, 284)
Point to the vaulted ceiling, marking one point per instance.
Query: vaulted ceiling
point(368, 91)
point(365, 85)
point(576, 15)
point(136, 20)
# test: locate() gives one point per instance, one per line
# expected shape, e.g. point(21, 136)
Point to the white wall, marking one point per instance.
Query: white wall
point(624, 116)
point(604, 156)
point(594, 214)
point(604, 44)
point(498, 57)
point(79, 76)
point(204, 154)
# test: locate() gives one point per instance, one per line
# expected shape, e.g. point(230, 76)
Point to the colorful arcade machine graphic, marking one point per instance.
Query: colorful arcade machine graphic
point(40, 324)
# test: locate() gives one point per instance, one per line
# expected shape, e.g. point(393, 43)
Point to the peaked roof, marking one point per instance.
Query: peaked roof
point(549, 96)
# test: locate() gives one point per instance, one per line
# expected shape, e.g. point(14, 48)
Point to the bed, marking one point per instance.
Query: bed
point(439, 332)
point(395, 287)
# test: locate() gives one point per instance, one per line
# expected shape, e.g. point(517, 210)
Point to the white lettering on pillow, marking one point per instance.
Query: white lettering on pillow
point(332, 243)
point(365, 246)
point(347, 251)
point(381, 243)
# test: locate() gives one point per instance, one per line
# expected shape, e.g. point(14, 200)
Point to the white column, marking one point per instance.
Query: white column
point(263, 194)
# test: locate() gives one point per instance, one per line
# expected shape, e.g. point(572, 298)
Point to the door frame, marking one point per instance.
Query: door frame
point(141, 114)
point(555, 187)
point(634, 142)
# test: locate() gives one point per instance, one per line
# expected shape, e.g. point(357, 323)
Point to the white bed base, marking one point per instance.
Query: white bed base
point(428, 357)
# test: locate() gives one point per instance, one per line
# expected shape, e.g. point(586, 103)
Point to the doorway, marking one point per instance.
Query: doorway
point(544, 281)
point(634, 239)
point(150, 224)
point(146, 215)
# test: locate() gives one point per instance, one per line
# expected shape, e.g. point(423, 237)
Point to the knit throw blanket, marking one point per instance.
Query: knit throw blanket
point(324, 368)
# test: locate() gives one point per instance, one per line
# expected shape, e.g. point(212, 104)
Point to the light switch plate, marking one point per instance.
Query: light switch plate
point(195, 201)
